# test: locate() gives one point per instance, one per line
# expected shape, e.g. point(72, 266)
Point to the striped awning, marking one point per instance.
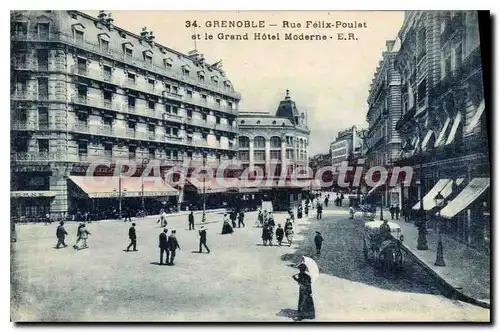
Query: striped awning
point(466, 197)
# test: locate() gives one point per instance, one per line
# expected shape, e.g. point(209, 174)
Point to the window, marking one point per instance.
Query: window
point(204, 98)
point(168, 65)
point(108, 96)
point(422, 90)
point(259, 142)
point(446, 19)
point(151, 128)
point(82, 148)
point(79, 36)
point(276, 155)
point(108, 150)
point(21, 29)
point(152, 153)
point(204, 136)
point(43, 59)
point(167, 87)
point(204, 117)
point(175, 110)
point(201, 78)
point(131, 152)
point(185, 70)
point(243, 155)
point(131, 79)
point(190, 154)
point(151, 105)
point(458, 51)
point(217, 101)
point(43, 118)
point(189, 113)
point(217, 138)
point(175, 154)
point(175, 89)
point(128, 54)
point(151, 84)
point(289, 154)
point(189, 93)
point(259, 155)
point(422, 37)
point(104, 45)
point(243, 142)
point(43, 88)
point(229, 105)
point(275, 142)
point(43, 145)
point(107, 121)
point(175, 131)
point(148, 59)
point(131, 102)
point(446, 64)
point(168, 153)
point(168, 108)
point(217, 119)
point(107, 73)
point(131, 125)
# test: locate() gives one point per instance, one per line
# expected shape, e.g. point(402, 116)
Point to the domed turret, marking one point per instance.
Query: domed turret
point(287, 109)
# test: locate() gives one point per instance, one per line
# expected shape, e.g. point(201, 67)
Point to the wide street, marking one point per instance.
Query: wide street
point(240, 280)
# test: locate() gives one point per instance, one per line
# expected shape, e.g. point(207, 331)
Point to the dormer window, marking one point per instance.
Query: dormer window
point(73, 15)
point(148, 59)
point(215, 81)
point(79, 35)
point(21, 28)
point(168, 63)
point(43, 30)
point(201, 76)
point(185, 70)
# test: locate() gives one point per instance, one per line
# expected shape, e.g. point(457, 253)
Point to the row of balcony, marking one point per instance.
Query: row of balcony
point(94, 48)
point(58, 156)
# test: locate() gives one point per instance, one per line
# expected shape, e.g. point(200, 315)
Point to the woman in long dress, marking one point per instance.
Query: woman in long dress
point(306, 304)
point(226, 227)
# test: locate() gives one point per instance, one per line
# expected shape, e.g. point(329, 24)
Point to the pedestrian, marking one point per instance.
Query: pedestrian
point(61, 235)
point(47, 219)
point(133, 237)
point(233, 216)
point(292, 217)
point(318, 207)
point(279, 234)
point(318, 241)
point(406, 211)
point(392, 210)
point(128, 216)
point(289, 231)
point(78, 235)
point(351, 212)
point(299, 212)
point(397, 210)
point(241, 217)
point(163, 246)
point(203, 239)
point(326, 201)
point(306, 209)
point(306, 303)
point(84, 235)
point(265, 235)
point(191, 221)
point(226, 227)
point(260, 218)
point(172, 245)
point(164, 218)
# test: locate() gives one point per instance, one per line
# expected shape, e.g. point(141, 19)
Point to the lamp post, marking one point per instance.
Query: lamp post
point(203, 216)
point(381, 207)
point(439, 199)
point(145, 161)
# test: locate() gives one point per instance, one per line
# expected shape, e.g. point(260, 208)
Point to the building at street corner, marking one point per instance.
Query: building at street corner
point(383, 142)
point(272, 144)
point(347, 147)
point(84, 89)
point(443, 123)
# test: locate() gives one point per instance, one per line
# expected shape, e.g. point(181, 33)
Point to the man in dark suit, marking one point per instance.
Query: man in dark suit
point(203, 239)
point(133, 237)
point(61, 235)
point(191, 221)
point(163, 246)
point(241, 217)
point(172, 245)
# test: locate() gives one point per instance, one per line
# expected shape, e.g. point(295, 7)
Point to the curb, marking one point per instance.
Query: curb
point(451, 292)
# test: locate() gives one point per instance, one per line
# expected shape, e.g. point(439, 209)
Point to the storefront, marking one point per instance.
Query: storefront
point(30, 204)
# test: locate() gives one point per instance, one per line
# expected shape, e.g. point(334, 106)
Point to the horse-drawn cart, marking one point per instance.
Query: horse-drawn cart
point(383, 249)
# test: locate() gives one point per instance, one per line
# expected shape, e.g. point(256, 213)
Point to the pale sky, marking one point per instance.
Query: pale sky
point(329, 79)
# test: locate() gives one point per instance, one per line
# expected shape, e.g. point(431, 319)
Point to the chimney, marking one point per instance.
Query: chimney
point(145, 33)
point(102, 15)
point(110, 19)
point(390, 44)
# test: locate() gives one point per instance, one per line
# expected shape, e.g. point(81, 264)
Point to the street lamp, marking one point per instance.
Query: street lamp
point(145, 161)
point(439, 200)
point(203, 216)
point(381, 207)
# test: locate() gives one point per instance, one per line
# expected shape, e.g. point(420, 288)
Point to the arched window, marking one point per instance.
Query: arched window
point(243, 142)
point(259, 142)
point(275, 142)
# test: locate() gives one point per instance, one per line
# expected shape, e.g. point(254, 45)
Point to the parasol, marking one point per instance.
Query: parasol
point(312, 267)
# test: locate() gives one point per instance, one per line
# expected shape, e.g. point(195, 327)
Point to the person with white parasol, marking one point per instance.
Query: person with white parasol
point(309, 272)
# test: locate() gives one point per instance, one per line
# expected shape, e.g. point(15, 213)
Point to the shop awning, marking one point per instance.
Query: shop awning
point(32, 194)
point(466, 197)
point(213, 185)
point(113, 186)
point(442, 134)
point(427, 137)
point(454, 128)
point(476, 117)
point(428, 199)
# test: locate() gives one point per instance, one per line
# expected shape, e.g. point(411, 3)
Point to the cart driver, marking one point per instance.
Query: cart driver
point(384, 231)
